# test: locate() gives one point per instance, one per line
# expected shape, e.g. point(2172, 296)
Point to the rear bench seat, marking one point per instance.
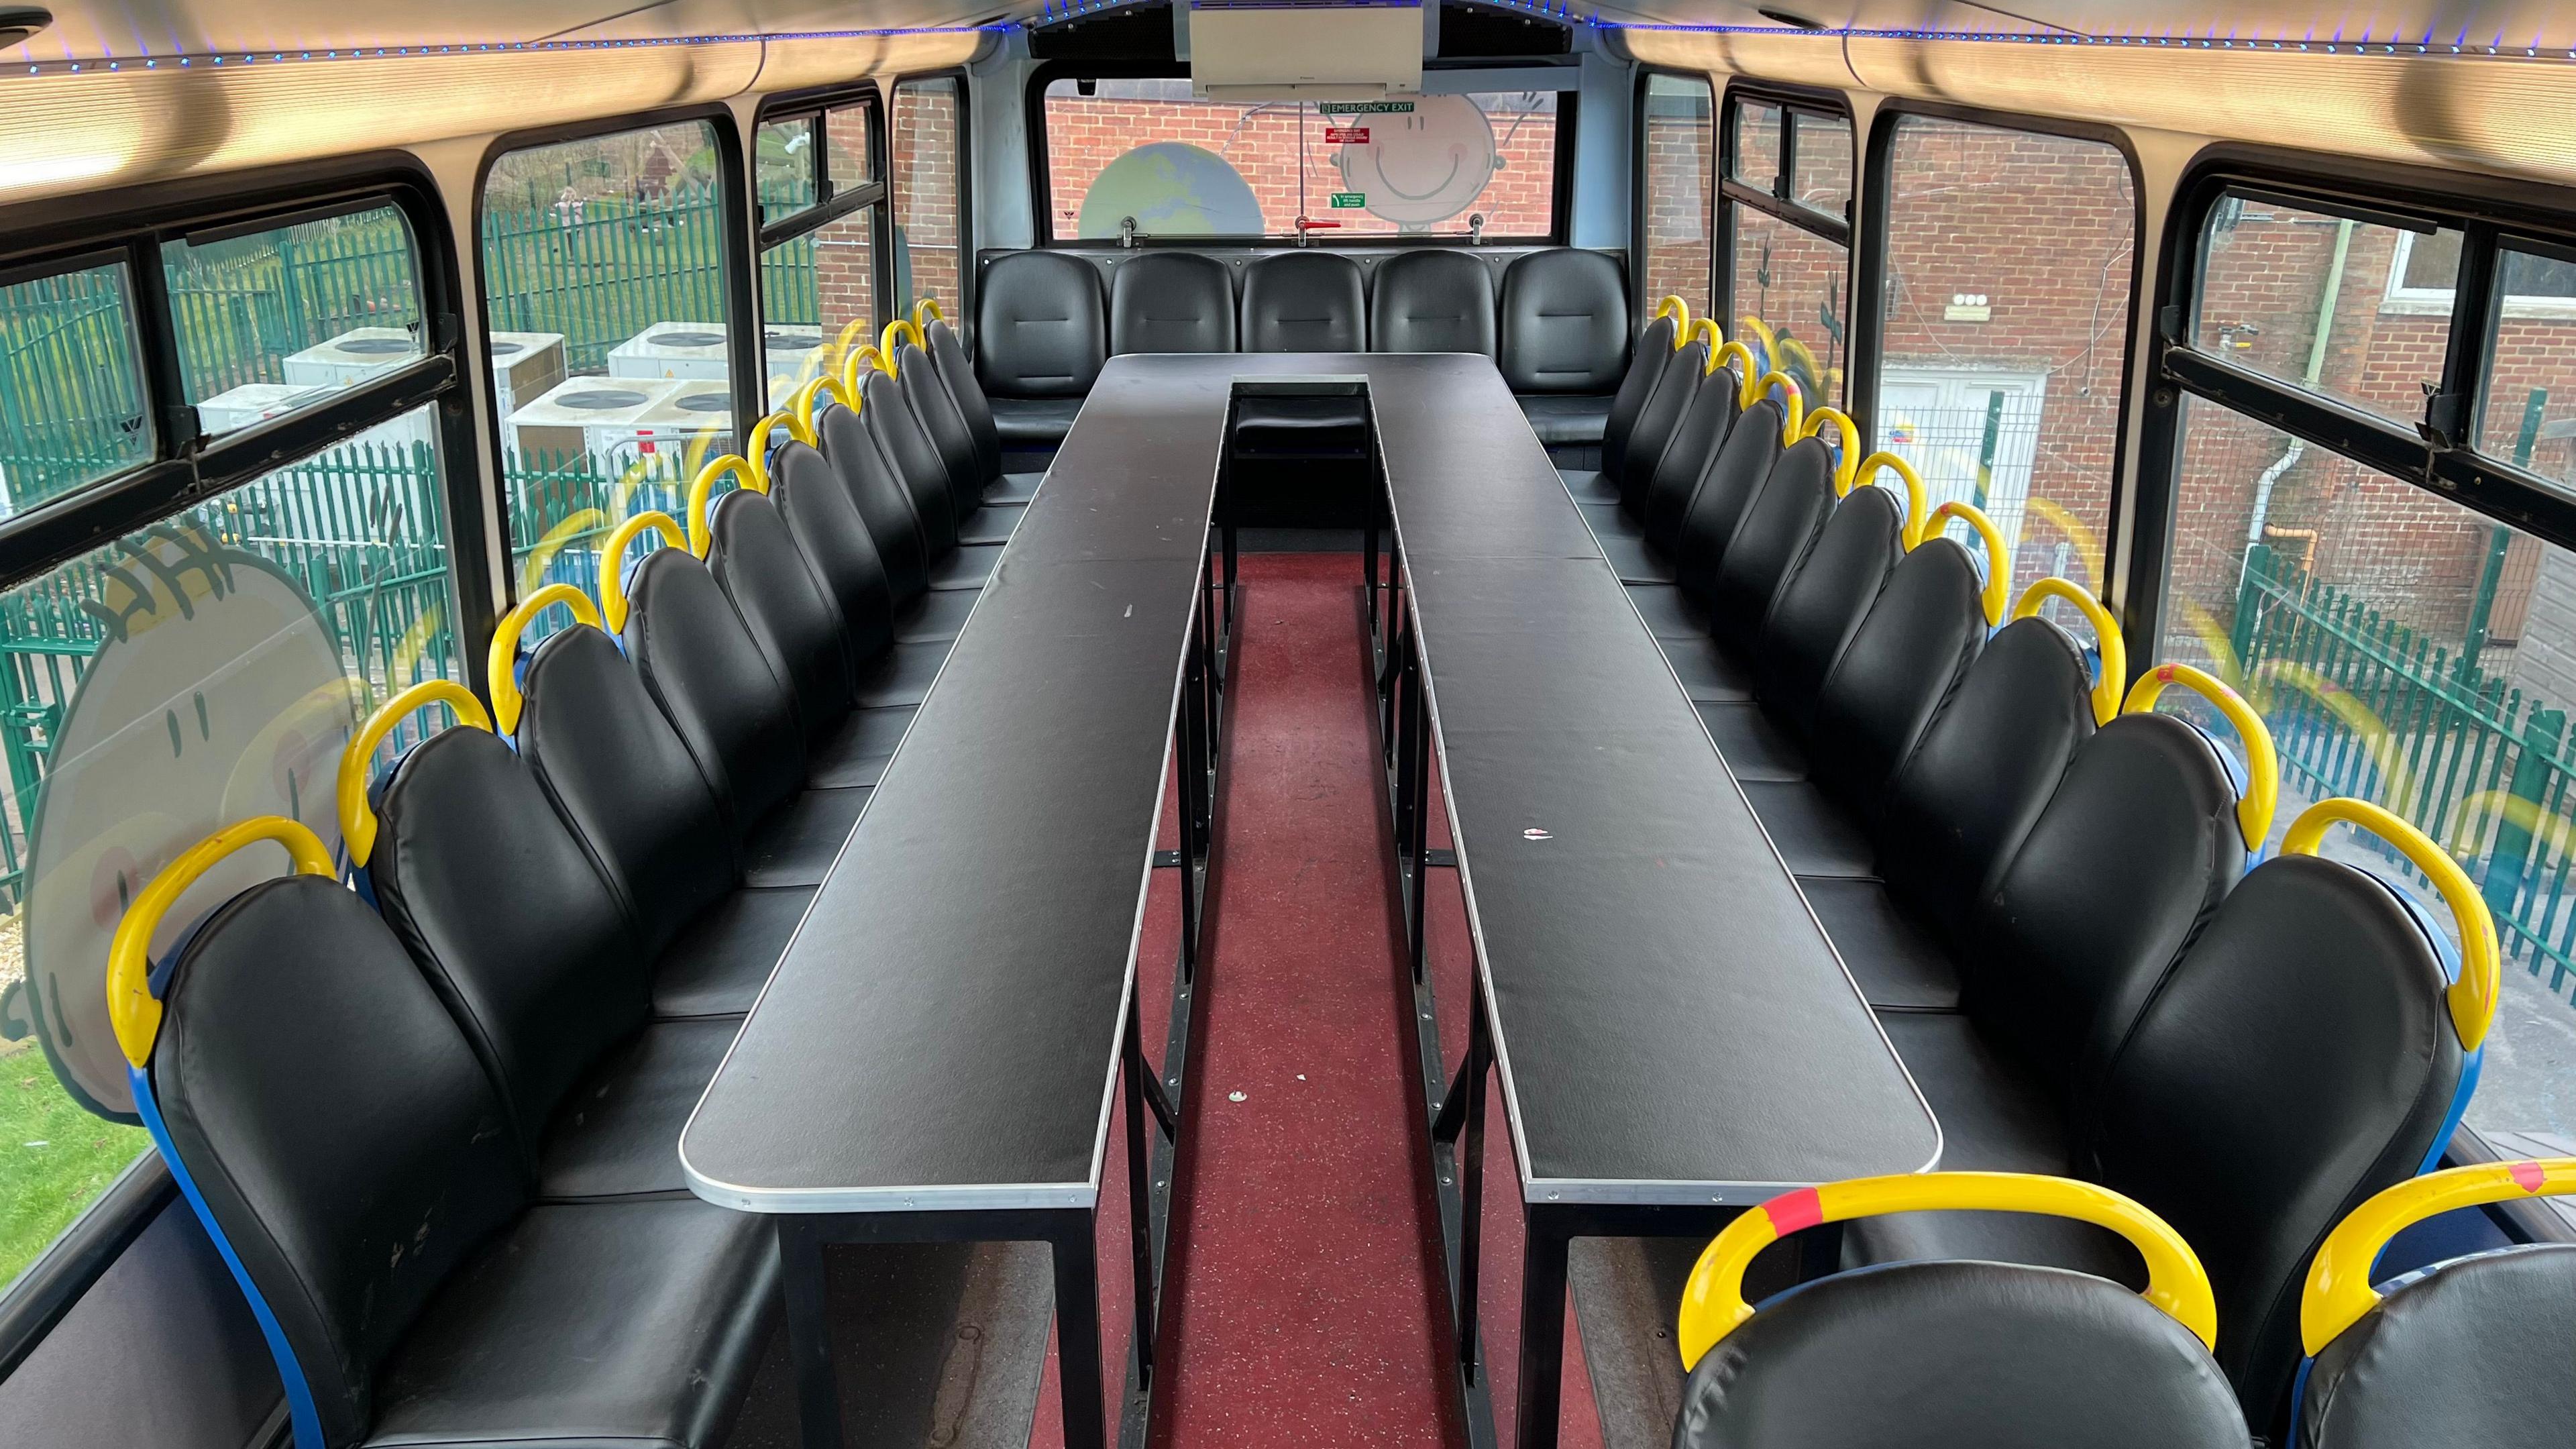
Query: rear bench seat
point(1555, 321)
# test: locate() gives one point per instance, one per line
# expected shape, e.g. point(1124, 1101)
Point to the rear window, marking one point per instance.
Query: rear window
point(1428, 166)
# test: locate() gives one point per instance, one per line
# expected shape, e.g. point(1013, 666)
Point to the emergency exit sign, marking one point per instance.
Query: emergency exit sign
point(1346, 200)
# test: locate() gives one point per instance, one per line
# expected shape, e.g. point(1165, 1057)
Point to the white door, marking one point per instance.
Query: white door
point(1971, 433)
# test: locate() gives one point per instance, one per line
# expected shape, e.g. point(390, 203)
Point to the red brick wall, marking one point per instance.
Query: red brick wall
point(845, 274)
point(926, 160)
point(1261, 142)
point(1680, 159)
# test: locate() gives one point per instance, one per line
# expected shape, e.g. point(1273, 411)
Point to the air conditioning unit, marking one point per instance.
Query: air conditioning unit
point(353, 356)
point(670, 350)
point(524, 365)
point(1293, 50)
point(791, 356)
point(254, 403)
point(693, 421)
point(588, 420)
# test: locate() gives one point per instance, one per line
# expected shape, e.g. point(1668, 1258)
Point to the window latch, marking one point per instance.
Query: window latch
point(2445, 418)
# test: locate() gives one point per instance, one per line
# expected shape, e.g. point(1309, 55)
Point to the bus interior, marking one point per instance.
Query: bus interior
point(1241, 722)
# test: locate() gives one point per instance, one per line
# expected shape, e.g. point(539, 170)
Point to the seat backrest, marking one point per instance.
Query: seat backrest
point(1565, 322)
point(1923, 1354)
point(335, 1126)
point(1040, 329)
point(2298, 1058)
point(887, 413)
point(626, 781)
point(2472, 1351)
point(1646, 364)
point(1921, 634)
point(1823, 603)
point(1730, 480)
point(1986, 767)
point(1661, 420)
point(884, 504)
point(1170, 302)
point(786, 609)
point(1432, 301)
point(1304, 302)
point(1691, 452)
point(2134, 848)
point(825, 522)
point(715, 685)
point(507, 916)
point(940, 421)
point(1775, 535)
point(957, 370)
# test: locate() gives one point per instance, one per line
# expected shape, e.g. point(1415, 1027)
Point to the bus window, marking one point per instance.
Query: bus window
point(1679, 142)
point(929, 225)
point(2009, 270)
point(818, 287)
point(1789, 264)
point(2416, 654)
point(782, 166)
point(1409, 166)
point(70, 371)
point(604, 263)
point(2531, 390)
point(2355, 310)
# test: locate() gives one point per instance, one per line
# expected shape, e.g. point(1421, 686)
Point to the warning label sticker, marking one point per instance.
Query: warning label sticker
point(1346, 135)
point(1345, 200)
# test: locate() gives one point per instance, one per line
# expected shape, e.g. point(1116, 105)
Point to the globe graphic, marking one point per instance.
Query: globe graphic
point(1172, 188)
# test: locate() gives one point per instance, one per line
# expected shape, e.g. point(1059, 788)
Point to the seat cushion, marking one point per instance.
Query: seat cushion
point(1432, 300)
point(1566, 421)
point(1590, 485)
point(935, 616)
point(1608, 520)
point(1301, 425)
point(1034, 422)
point(1706, 671)
point(1634, 562)
point(992, 523)
point(1895, 960)
point(856, 753)
point(1013, 488)
point(1304, 301)
point(901, 675)
point(1170, 302)
point(1564, 322)
point(1994, 1118)
point(1669, 613)
point(796, 843)
point(965, 568)
point(1753, 745)
point(720, 960)
point(595, 1324)
point(1041, 328)
point(617, 1132)
point(1813, 835)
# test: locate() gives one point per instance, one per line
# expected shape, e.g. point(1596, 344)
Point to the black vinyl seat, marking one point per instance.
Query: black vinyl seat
point(1171, 302)
point(2468, 1351)
point(1953, 1355)
point(1671, 490)
point(1718, 665)
point(832, 663)
point(1662, 336)
point(1564, 341)
point(1435, 301)
point(957, 371)
point(1303, 302)
point(915, 463)
point(944, 424)
point(884, 505)
point(1673, 431)
point(388, 1225)
point(1041, 335)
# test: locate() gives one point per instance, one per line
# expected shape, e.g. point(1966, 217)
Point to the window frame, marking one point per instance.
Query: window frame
point(1042, 187)
point(1639, 246)
point(1730, 193)
point(2401, 300)
point(965, 184)
point(830, 205)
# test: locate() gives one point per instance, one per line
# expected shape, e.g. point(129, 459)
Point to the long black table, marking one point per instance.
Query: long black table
point(939, 1052)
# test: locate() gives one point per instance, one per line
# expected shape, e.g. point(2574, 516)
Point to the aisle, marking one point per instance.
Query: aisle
point(1302, 1306)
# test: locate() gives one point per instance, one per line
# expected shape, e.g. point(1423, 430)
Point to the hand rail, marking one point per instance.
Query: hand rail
point(2472, 998)
point(357, 820)
point(2262, 758)
point(131, 1007)
point(502, 665)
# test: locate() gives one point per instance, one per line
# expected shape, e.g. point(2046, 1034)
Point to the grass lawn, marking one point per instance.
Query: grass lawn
point(54, 1157)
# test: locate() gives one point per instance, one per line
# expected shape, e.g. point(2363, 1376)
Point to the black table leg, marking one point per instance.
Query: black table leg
point(1077, 1330)
point(1543, 1258)
point(809, 1331)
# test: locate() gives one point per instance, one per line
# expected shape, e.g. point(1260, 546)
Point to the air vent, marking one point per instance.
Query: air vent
point(1484, 32)
point(1132, 33)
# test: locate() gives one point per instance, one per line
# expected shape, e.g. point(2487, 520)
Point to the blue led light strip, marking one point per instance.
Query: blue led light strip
point(251, 59)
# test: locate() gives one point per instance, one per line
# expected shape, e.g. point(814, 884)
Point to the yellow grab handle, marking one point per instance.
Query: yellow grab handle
point(855, 372)
point(756, 444)
point(502, 665)
point(810, 397)
point(702, 490)
point(1797, 416)
point(131, 1007)
point(2339, 1291)
point(1674, 307)
point(2106, 633)
point(2262, 760)
point(1998, 558)
point(1917, 497)
point(2472, 998)
point(1752, 369)
point(1705, 330)
point(1761, 329)
point(1713, 1300)
point(896, 332)
point(612, 558)
point(1846, 467)
point(922, 313)
point(357, 822)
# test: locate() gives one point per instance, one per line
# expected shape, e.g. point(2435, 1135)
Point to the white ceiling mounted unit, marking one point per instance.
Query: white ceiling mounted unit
point(1305, 50)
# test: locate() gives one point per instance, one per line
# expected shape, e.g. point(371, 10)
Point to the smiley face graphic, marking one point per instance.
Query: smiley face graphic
point(1422, 166)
